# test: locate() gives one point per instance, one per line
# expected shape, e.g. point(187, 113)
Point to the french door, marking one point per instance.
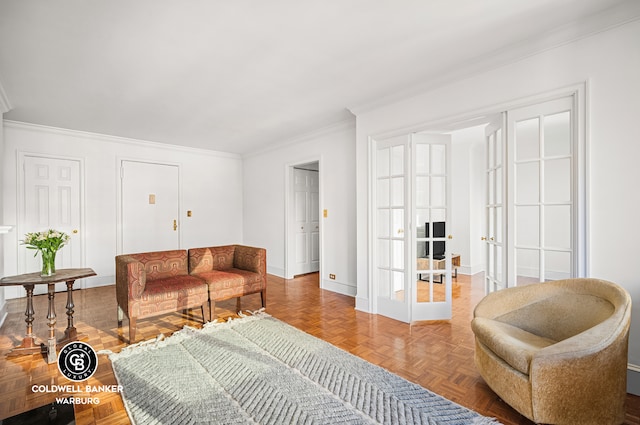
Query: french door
point(412, 270)
point(495, 211)
point(542, 186)
point(532, 223)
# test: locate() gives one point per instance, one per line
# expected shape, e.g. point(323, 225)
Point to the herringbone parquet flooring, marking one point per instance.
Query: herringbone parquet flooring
point(436, 355)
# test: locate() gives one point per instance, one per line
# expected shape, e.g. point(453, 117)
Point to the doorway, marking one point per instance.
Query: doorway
point(303, 241)
point(532, 180)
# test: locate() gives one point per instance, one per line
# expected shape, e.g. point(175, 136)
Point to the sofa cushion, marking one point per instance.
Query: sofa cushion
point(203, 260)
point(512, 344)
point(560, 316)
point(231, 282)
point(170, 294)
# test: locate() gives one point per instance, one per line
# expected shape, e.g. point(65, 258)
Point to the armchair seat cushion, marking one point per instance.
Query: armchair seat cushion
point(515, 346)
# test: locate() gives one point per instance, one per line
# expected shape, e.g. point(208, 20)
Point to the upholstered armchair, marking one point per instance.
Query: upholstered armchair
point(154, 283)
point(557, 351)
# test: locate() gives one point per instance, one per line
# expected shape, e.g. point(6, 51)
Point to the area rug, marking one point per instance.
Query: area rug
point(257, 369)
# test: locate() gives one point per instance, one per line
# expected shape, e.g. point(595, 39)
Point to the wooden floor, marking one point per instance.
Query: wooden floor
point(438, 356)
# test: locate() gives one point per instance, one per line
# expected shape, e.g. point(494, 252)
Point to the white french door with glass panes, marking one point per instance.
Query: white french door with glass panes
point(542, 187)
point(391, 218)
point(431, 295)
point(412, 267)
point(495, 246)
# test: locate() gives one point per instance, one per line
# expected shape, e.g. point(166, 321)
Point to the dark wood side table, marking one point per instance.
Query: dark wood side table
point(29, 280)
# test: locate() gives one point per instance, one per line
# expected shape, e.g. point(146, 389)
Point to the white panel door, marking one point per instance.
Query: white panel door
point(51, 201)
point(150, 207)
point(431, 292)
point(306, 221)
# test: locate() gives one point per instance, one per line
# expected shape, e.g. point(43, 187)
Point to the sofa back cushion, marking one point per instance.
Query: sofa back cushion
point(212, 258)
point(163, 264)
point(560, 316)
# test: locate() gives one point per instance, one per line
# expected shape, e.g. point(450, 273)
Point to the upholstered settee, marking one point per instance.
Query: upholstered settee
point(230, 271)
point(153, 283)
point(556, 351)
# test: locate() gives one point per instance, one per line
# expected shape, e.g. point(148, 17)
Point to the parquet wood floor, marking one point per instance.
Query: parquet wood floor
point(436, 355)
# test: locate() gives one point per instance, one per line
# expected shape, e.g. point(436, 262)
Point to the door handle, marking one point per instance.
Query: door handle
point(175, 225)
point(484, 238)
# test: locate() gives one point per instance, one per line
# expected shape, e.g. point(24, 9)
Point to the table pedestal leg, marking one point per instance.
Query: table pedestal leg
point(71, 333)
point(29, 344)
point(51, 316)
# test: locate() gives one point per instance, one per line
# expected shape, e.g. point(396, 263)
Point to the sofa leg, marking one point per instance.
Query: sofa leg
point(238, 304)
point(263, 297)
point(212, 310)
point(120, 316)
point(132, 330)
point(204, 308)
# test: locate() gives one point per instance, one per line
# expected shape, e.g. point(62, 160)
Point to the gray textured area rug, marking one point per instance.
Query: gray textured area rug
point(258, 369)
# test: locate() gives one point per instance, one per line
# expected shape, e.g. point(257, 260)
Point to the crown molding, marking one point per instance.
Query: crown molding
point(334, 127)
point(619, 15)
point(115, 139)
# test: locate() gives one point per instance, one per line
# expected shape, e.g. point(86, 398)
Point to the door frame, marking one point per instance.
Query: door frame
point(21, 203)
point(119, 191)
point(479, 116)
point(289, 242)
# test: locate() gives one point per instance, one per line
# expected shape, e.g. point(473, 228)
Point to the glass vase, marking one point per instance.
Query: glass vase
point(48, 263)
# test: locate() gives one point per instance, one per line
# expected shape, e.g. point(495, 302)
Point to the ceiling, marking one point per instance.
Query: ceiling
point(240, 76)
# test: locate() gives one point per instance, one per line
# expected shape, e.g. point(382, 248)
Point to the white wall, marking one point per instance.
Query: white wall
point(264, 202)
point(610, 64)
point(211, 187)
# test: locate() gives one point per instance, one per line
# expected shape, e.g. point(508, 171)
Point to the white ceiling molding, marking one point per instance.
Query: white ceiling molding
point(114, 139)
point(618, 15)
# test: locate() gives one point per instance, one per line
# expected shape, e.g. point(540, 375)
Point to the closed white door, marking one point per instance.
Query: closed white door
point(543, 178)
point(150, 207)
point(306, 221)
point(51, 201)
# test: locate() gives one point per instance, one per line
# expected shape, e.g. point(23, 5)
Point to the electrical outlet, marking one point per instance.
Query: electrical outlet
point(332, 276)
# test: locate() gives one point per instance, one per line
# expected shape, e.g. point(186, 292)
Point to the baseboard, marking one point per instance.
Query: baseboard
point(362, 304)
point(276, 271)
point(340, 288)
point(633, 379)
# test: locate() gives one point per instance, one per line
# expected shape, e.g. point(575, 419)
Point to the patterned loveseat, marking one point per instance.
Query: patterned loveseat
point(230, 271)
point(153, 283)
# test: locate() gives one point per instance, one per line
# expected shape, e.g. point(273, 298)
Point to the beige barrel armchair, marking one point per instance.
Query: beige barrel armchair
point(557, 351)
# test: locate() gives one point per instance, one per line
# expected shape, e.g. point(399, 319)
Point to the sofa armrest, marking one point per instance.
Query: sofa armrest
point(131, 279)
point(251, 259)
